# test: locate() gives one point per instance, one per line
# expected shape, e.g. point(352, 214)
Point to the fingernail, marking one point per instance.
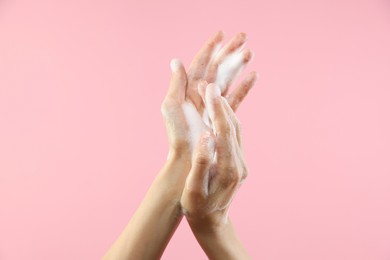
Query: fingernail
point(215, 90)
point(175, 65)
point(244, 36)
point(219, 35)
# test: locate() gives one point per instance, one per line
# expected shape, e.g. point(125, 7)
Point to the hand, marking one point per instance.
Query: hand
point(218, 167)
point(183, 110)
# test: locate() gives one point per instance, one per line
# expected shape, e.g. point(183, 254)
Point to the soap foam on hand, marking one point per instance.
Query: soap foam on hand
point(194, 121)
point(229, 69)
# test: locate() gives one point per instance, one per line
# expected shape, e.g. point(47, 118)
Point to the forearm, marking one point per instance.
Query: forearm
point(153, 224)
point(219, 242)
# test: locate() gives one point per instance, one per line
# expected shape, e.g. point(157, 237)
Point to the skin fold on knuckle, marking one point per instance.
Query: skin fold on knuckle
point(229, 176)
point(224, 147)
point(202, 159)
point(168, 106)
point(244, 173)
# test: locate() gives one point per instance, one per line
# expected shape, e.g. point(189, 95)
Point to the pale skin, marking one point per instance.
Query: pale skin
point(199, 181)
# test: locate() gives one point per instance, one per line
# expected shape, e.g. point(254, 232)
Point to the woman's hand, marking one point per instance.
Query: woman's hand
point(218, 166)
point(184, 113)
point(218, 169)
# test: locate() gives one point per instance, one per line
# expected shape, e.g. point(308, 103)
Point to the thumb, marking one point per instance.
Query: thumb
point(178, 84)
point(198, 177)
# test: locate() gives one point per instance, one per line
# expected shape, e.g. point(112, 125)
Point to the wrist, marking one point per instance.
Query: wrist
point(219, 241)
point(173, 174)
point(209, 225)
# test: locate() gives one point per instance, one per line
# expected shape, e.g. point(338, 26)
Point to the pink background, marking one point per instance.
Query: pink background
point(81, 135)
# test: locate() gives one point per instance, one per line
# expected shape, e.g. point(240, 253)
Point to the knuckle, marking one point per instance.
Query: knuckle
point(163, 109)
point(231, 177)
point(167, 105)
point(244, 173)
point(238, 126)
point(235, 178)
point(225, 183)
point(226, 128)
point(202, 159)
point(224, 146)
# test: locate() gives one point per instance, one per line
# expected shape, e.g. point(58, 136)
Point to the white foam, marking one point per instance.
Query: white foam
point(227, 71)
point(175, 65)
point(195, 123)
point(211, 92)
point(229, 68)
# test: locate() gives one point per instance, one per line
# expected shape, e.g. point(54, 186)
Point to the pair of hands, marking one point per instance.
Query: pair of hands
point(205, 165)
point(202, 127)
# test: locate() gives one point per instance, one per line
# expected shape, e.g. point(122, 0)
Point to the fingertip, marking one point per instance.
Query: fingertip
point(213, 90)
point(253, 77)
point(175, 65)
point(248, 56)
point(178, 83)
point(243, 36)
point(219, 36)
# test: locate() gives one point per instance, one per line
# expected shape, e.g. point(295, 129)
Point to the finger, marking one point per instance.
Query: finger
point(202, 93)
point(236, 43)
point(233, 45)
point(178, 84)
point(238, 144)
point(202, 58)
point(233, 119)
point(223, 128)
point(198, 177)
point(215, 108)
point(242, 90)
point(202, 90)
point(230, 68)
